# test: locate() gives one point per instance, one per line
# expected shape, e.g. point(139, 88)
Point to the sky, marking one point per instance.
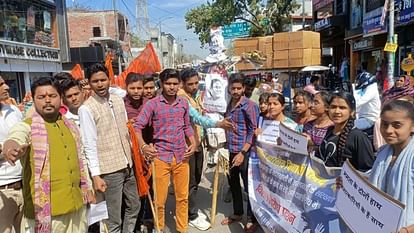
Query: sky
point(169, 12)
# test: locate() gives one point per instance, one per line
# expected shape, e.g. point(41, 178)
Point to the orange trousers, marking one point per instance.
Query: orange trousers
point(180, 173)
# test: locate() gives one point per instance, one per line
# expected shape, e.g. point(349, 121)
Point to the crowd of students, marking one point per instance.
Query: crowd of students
point(56, 160)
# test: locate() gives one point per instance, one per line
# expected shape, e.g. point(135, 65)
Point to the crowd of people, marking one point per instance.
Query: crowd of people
point(69, 145)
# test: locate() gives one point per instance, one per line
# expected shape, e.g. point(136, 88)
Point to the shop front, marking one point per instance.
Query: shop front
point(405, 30)
point(29, 43)
point(329, 18)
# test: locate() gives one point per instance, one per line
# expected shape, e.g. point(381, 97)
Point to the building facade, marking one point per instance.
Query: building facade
point(92, 34)
point(33, 41)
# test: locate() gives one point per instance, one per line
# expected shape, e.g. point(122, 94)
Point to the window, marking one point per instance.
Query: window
point(96, 31)
point(30, 22)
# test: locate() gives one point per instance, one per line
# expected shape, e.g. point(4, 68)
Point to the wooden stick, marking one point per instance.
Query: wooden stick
point(155, 207)
point(151, 205)
point(215, 192)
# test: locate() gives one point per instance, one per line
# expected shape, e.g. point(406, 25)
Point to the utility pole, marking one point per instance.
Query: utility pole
point(118, 47)
point(162, 52)
point(303, 15)
point(391, 39)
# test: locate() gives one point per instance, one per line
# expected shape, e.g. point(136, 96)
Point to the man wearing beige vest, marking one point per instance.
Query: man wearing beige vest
point(105, 136)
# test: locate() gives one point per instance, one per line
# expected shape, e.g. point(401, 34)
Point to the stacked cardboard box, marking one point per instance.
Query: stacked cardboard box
point(266, 48)
point(245, 45)
point(296, 49)
point(282, 50)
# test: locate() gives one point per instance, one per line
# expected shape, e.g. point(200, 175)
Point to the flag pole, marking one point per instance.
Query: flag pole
point(391, 55)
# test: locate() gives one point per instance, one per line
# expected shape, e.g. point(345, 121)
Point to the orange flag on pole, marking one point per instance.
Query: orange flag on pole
point(142, 172)
point(77, 72)
point(108, 65)
point(146, 62)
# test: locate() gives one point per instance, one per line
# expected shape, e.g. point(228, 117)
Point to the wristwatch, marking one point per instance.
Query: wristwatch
point(244, 153)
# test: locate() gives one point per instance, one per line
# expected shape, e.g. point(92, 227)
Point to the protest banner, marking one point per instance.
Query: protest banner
point(364, 207)
point(291, 192)
point(215, 99)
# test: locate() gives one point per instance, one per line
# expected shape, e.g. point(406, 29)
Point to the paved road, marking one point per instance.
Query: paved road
point(205, 197)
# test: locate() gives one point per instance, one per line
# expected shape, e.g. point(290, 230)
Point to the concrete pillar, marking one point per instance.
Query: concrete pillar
point(26, 82)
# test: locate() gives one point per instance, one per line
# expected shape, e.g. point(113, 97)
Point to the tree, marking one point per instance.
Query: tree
point(266, 17)
point(136, 42)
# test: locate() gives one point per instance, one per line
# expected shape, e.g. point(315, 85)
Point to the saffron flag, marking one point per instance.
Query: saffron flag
point(108, 65)
point(146, 62)
point(142, 171)
point(77, 72)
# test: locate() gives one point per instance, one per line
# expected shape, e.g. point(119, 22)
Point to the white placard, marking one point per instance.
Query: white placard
point(270, 131)
point(363, 207)
point(97, 212)
point(292, 140)
point(215, 99)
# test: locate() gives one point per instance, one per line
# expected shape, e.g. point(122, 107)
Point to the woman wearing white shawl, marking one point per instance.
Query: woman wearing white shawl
point(393, 171)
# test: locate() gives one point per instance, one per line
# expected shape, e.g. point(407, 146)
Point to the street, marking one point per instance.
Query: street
point(205, 199)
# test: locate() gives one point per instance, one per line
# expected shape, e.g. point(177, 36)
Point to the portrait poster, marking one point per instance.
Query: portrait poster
point(46, 20)
point(30, 17)
point(216, 95)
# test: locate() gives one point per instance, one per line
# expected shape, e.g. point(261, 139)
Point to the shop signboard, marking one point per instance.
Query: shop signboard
point(372, 23)
point(318, 4)
point(323, 23)
point(390, 47)
point(406, 14)
point(365, 43)
point(235, 30)
point(28, 52)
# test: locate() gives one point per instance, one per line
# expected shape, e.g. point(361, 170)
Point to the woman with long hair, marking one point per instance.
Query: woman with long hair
point(316, 129)
point(342, 141)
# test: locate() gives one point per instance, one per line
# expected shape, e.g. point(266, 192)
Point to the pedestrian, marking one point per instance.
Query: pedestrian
point(263, 106)
point(73, 98)
point(190, 92)
point(107, 145)
point(368, 104)
point(392, 171)
point(149, 86)
point(342, 141)
point(316, 129)
point(377, 137)
point(302, 103)
point(169, 116)
point(312, 87)
point(276, 103)
point(243, 113)
point(402, 87)
point(134, 98)
point(11, 201)
point(55, 177)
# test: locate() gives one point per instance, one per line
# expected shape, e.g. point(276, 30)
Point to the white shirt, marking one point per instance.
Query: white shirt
point(10, 115)
point(368, 103)
point(89, 137)
point(73, 117)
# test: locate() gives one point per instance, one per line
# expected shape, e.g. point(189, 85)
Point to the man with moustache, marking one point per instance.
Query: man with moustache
point(55, 178)
point(73, 98)
point(11, 197)
point(149, 86)
point(104, 131)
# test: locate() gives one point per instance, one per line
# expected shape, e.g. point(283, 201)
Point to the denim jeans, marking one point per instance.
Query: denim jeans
point(121, 186)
